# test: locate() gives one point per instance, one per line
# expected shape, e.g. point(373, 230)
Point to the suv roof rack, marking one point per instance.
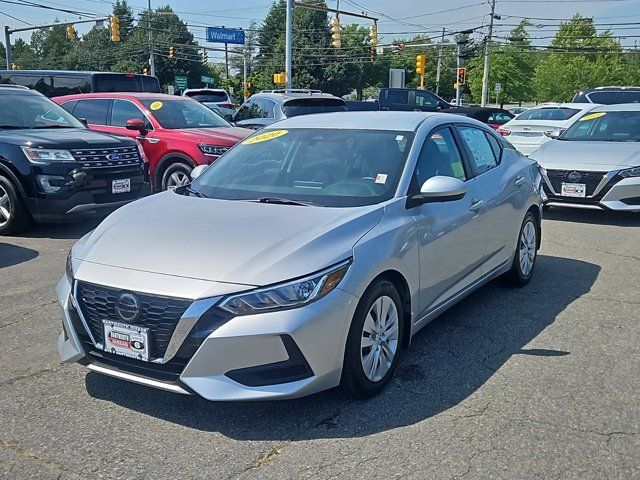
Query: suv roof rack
point(11, 85)
point(292, 90)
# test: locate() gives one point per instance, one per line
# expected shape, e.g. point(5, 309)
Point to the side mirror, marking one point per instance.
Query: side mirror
point(83, 121)
point(441, 105)
point(228, 117)
point(196, 172)
point(441, 189)
point(554, 134)
point(136, 124)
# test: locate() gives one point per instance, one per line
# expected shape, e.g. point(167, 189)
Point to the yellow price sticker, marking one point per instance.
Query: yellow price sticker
point(591, 116)
point(157, 105)
point(265, 137)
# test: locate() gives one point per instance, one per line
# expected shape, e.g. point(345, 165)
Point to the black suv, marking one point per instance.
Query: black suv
point(608, 95)
point(53, 168)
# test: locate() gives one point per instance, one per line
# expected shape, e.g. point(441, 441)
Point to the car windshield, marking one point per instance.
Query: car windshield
point(176, 114)
point(323, 167)
point(33, 111)
point(548, 113)
point(605, 127)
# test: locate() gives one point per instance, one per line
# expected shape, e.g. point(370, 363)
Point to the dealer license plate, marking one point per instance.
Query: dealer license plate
point(121, 186)
point(574, 190)
point(126, 340)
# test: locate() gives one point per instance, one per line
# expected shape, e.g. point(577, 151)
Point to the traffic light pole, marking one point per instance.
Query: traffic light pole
point(457, 67)
point(439, 65)
point(8, 32)
point(487, 53)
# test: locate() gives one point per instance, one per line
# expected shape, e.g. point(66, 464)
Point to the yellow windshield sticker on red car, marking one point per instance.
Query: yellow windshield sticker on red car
point(157, 105)
point(591, 116)
point(265, 137)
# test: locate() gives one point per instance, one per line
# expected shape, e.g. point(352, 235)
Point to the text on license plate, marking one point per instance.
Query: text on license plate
point(121, 186)
point(126, 340)
point(574, 190)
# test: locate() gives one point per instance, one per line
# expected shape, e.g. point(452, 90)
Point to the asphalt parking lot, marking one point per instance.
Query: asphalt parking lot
point(541, 382)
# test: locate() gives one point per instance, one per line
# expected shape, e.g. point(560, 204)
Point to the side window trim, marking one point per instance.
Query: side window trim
point(499, 144)
point(469, 154)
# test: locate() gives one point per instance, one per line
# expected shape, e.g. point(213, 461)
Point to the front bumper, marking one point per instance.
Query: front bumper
point(277, 355)
point(609, 191)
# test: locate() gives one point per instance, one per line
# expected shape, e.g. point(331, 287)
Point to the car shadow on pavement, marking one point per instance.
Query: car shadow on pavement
point(14, 254)
point(447, 362)
point(596, 217)
point(71, 230)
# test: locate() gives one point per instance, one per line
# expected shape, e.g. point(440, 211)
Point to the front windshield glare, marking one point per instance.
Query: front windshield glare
point(605, 127)
point(328, 167)
point(33, 111)
point(174, 114)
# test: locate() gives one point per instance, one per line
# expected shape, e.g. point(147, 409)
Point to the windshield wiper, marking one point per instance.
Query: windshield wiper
point(13, 127)
point(281, 201)
point(195, 192)
point(53, 126)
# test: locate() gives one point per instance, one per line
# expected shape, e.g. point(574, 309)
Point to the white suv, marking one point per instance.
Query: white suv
point(216, 99)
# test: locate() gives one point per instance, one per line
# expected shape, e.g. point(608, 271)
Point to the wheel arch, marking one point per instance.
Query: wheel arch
point(168, 159)
point(400, 282)
point(5, 171)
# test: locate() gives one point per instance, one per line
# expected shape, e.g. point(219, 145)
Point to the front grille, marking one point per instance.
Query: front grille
point(160, 314)
point(590, 179)
point(116, 157)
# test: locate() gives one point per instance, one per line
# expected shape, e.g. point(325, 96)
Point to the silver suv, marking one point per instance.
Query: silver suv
point(269, 106)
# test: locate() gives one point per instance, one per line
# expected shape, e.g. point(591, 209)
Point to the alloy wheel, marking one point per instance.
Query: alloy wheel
point(177, 179)
point(379, 339)
point(527, 248)
point(5, 207)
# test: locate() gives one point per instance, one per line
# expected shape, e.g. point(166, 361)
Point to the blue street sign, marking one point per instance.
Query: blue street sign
point(225, 35)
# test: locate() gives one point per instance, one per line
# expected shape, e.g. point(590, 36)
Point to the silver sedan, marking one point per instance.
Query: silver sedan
point(305, 258)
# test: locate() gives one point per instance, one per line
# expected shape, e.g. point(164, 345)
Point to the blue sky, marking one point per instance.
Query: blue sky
point(407, 16)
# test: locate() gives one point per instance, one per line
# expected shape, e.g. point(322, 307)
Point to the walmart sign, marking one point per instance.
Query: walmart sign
point(225, 35)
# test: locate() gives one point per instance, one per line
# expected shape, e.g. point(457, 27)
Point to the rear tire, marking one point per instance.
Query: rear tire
point(373, 345)
point(524, 258)
point(14, 216)
point(176, 175)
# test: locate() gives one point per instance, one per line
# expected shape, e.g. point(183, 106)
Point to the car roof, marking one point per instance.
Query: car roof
point(581, 106)
point(68, 72)
point(293, 94)
point(8, 89)
point(125, 95)
point(400, 121)
point(618, 107)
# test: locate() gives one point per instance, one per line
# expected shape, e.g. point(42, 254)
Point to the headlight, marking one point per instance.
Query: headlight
point(630, 172)
point(47, 155)
point(215, 150)
point(287, 295)
point(69, 268)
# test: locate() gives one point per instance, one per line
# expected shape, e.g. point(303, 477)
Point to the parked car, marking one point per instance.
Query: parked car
point(269, 106)
point(518, 110)
point(53, 168)
point(362, 106)
point(176, 133)
point(534, 127)
point(608, 95)
point(55, 83)
point(595, 163)
point(494, 117)
point(410, 99)
point(309, 255)
point(216, 99)
point(463, 102)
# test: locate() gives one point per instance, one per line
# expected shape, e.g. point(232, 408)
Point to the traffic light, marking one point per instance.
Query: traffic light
point(205, 57)
point(114, 25)
point(420, 64)
point(15, 66)
point(280, 78)
point(373, 34)
point(71, 32)
point(145, 71)
point(462, 76)
point(335, 32)
point(171, 53)
point(372, 54)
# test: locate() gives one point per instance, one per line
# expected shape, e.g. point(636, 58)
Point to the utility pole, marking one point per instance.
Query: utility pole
point(244, 73)
point(288, 41)
point(226, 59)
point(439, 66)
point(487, 52)
point(457, 67)
point(7, 44)
point(152, 62)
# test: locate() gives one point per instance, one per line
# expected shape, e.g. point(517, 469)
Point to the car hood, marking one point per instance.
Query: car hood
point(226, 136)
point(64, 138)
point(225, 241)
point(588, 156)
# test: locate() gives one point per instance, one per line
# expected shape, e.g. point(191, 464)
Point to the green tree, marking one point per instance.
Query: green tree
point(579, 58)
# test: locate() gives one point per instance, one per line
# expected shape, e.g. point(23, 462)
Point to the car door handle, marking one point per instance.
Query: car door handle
point(519, 181)
point(476, 205)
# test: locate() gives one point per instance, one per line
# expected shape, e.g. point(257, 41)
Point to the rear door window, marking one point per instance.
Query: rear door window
point(631, 97)
point(69, 85)
point(94, 111)
point(606, 98)
point(123, 110)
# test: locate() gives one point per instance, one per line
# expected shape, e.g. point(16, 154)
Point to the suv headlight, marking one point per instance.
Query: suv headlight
point(47, 155)
point(69, 268)
point(215, 150)
point(287, 295)
point(630, 172)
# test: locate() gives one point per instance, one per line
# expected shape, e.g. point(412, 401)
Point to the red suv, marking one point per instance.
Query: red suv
point(176, 133)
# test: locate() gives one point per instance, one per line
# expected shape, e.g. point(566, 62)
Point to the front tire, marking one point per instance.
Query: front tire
point(524, 259)
point(373, 345)
point(176, 175)
point(14, 217)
